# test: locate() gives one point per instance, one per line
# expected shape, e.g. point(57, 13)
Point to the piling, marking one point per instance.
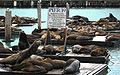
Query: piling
point(15, 3)
point(32, 3)
point(39, 14)
point(67, 10)
point(8, 24)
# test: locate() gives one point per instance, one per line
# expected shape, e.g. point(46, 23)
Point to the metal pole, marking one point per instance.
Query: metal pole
point(8, 25)
point(39, 14)
point(67, 10)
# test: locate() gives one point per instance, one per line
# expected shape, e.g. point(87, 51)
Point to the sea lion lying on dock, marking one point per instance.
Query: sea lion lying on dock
point(83, 49)
point(76, 48)
point(99, 52)
point(22, 55)
point(33, 60)
point(57, 64)
point(48, 66)
point(73, 67)
point(34, 68)
point(50, 49)
point(112, 37)
point(84, 37)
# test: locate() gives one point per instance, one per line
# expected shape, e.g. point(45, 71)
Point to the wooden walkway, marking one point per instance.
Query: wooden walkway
point(85, 69)
point(60, 3)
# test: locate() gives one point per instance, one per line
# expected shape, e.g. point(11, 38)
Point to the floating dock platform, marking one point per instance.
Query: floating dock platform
point(85, 69)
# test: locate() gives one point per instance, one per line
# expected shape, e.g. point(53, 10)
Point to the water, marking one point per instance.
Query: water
point(93, 14)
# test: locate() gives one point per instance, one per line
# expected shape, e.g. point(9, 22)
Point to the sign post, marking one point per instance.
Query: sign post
point(57, 19)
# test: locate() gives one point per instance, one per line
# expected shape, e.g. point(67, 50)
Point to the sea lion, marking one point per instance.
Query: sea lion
point(22, 55)
point(23, 42)
point(72, 37)
point(34, 68)
point(112, 38)
point(1, 45)
point(99, 52)
point(112, 18)
point(84, 50)
point(60, 49)
point(73, 67)
point(49, 49)
point(87, 49)
point(84, 38)
point(18, 67)
point(57, 64)
point(78, 17)
point(48, 66)
point(76, 48)
point(3, 49)
point(69, 61)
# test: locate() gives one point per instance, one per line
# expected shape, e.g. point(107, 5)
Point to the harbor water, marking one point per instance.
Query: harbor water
point(93, 14)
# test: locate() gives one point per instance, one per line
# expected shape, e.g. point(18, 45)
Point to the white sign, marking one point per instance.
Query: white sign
point(56, 17)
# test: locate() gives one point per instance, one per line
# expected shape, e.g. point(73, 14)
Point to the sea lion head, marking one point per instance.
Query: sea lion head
point(76, 48)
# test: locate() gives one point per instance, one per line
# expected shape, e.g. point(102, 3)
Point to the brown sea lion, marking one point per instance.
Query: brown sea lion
point(84, 50)
point(84, 38)
point(77, 17)
point(34, 68)
point(57, 64)
point(87, 49)
point(100, 32)
point(99, 52)
point(3, 49)
point(22, 55)
point(73, 67)
point(1, 45)
point(72, 37)
point(18, 67)
point(48, 66)
point(112, 38)
point(23, 42)
point(49, 49)
point(76, 48)
point(61, 48)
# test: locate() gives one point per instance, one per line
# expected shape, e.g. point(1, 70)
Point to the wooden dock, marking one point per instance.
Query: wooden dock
point(81, 57)
point(60, 3)
point(81, 42)
point(85, 69)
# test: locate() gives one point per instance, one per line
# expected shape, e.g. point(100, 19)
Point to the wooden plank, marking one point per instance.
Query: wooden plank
point(83, 42)
point(85, 69)
point(82, 57)
point(29, 24)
